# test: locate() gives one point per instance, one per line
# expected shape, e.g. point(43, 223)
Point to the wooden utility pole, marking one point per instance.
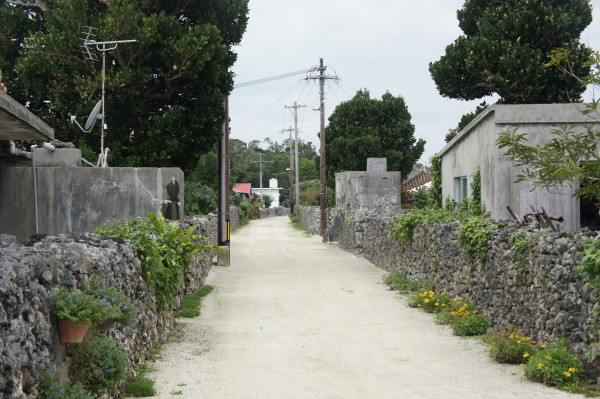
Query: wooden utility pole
point(323, 166)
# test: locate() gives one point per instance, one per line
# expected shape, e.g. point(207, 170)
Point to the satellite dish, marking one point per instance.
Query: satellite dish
point(94, 115)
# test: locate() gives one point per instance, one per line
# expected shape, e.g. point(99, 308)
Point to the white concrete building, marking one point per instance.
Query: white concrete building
point(272, 191)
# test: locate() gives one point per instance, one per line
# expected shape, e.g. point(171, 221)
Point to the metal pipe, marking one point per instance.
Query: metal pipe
point(35, 196)
point(51, 148)
point(13, 150)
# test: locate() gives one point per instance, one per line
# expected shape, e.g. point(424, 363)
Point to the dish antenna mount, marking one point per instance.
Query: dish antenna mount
point(91, 120)
point(89, 47)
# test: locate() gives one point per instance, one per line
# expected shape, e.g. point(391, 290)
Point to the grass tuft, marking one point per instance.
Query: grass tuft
point(191, 302)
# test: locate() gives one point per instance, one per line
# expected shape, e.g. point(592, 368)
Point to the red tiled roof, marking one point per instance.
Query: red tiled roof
point(243, 188)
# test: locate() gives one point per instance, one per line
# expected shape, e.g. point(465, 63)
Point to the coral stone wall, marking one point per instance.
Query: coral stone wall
point(31, 274)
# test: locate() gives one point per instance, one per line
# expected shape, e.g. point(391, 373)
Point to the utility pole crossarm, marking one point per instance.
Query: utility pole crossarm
point(260, 162)
point(297, 188)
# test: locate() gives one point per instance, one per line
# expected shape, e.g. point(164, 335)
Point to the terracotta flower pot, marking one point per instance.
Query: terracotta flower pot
point(72, 332)
point(105, 325)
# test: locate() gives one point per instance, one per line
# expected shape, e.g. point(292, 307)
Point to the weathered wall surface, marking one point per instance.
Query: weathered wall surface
point(543, 295)
point(32, 274)
point(368, 191)
point(475, 146)
point(77, 200)
point(274, 211)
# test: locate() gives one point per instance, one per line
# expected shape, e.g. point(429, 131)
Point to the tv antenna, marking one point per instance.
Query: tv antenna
point(89, 48)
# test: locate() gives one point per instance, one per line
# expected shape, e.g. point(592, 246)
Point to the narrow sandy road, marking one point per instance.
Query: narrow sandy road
point(294, 318)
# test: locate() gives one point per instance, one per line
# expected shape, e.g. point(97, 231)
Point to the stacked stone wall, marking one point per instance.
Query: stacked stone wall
point(31, 275)
point(274, 212)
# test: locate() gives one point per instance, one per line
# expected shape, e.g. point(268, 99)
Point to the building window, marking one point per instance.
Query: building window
point(460, 188)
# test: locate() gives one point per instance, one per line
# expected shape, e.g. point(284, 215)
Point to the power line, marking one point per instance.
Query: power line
point(250, 122)
point(272, 78)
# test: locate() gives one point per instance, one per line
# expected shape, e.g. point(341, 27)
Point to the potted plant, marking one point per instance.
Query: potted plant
point(76, 311)
point(114, 306)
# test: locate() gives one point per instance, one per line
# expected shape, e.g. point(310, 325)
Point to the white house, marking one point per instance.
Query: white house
point(475, 146)
point(272, 191)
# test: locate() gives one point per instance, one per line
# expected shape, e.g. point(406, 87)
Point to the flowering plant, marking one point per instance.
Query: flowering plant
point(98, 365)
point(113, 303)
point(75, 306)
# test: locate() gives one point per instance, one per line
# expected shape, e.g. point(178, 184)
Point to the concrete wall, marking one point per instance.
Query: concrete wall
point(476, 146)
point(74, 200)
point(368, 191)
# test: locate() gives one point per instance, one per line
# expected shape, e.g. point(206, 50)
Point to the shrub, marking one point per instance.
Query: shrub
point(554, 366)
point(474, 236)
point(50, 387)
point(140, 387)
point(404, 225)
point(511, 347)
point(430, 301)
point(99, 365)
point(164, 249)
point(268, 200)
point(200, 199)
point(473, 324)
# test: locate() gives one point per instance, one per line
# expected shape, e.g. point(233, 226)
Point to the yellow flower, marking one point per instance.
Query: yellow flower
point(490, 348)
point(540, 365)
point(567, 373)
point(543, 345)
point(437, 304)
point(526, 354)
point(572, 370)
point(548, 357)
point(426, 300)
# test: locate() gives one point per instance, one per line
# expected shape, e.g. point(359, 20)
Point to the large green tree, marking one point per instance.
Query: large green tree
point(505, 47)
point(366, 127)
point(164, 93)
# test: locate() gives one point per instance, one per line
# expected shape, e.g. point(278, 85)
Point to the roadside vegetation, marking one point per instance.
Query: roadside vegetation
point(549, 363)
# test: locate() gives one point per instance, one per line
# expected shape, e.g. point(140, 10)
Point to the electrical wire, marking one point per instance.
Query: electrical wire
point(243, 127)
point(272, 78)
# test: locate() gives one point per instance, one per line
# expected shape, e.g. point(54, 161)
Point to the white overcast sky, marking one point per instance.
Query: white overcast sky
point(380, 45)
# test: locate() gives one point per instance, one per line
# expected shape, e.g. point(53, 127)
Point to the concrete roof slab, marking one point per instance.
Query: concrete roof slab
point(18, 123)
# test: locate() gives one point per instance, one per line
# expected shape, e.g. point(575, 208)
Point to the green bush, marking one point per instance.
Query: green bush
point(200, 199)
point(404, 225)
point(98, 365)
point(554, 366)
point(399, 281)
point(50, 387)
point(513, 347)
point(473, 324)
point(166, 252)
point(140, 387)
point(268, 200)
point(474, 236)
point(589, 263)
